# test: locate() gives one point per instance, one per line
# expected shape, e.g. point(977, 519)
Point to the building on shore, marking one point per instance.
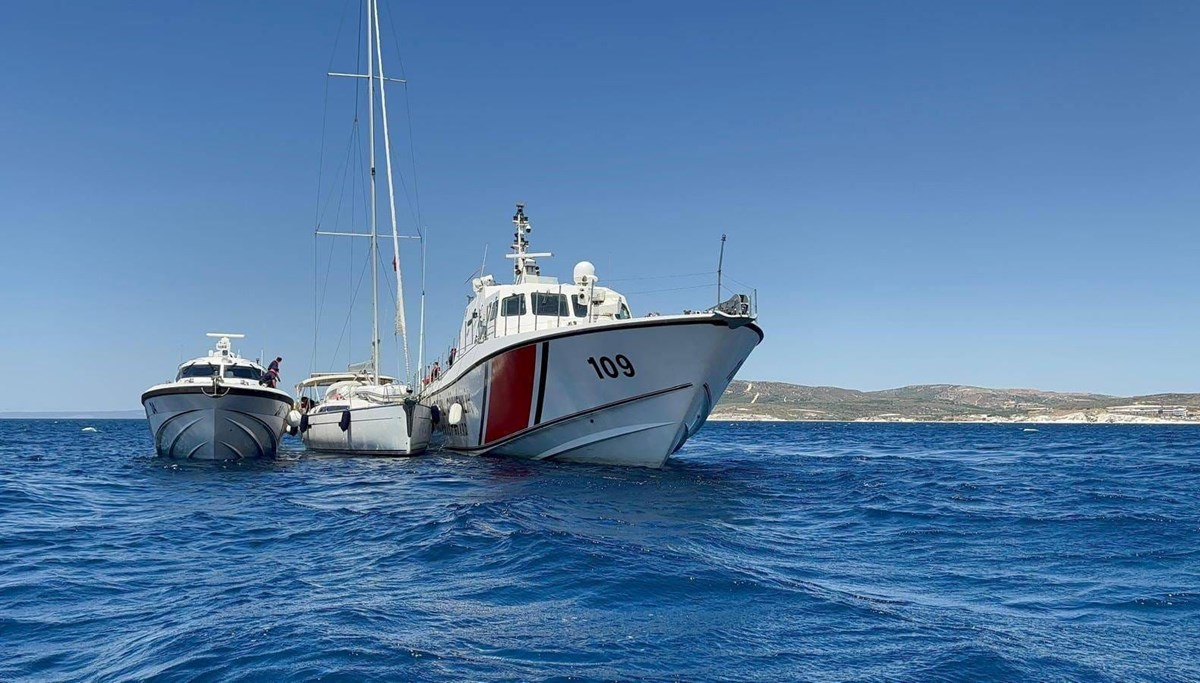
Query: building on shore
point(1150, 409)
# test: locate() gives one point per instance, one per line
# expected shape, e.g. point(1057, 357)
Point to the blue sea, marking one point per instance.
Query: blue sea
point(762, 552)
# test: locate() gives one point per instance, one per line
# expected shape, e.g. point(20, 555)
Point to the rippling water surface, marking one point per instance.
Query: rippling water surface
point(762, 552)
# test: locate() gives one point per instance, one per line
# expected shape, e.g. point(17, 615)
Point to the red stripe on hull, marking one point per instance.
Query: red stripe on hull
point(510, 392)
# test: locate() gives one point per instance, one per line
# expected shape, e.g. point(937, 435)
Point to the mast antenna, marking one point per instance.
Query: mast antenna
point(525, 261)
point(521, 228)
point(720, 262)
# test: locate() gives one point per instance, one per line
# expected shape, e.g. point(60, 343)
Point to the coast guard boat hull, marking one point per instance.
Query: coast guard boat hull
point(620, 393)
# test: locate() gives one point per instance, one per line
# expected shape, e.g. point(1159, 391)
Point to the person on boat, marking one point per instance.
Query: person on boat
point(450, 360)
point(435, 371)
point(270, 378)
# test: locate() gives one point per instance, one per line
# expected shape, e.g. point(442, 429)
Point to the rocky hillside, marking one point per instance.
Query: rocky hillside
point(932, 402)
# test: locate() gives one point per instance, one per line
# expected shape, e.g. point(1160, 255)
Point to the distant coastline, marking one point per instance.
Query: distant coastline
point(750, 401)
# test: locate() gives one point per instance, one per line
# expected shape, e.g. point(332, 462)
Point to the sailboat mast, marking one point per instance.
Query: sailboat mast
point(401, 327)
point(421, 340)
point(371, 38)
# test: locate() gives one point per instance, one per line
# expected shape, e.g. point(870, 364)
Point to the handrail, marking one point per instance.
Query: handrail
point(486, 328)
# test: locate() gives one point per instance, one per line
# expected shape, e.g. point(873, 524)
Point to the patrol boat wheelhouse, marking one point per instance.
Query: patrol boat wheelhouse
point(215, 409)
point(548, 370)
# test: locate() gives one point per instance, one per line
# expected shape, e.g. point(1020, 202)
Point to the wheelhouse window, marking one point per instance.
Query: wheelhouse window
point(243, 372)
point(231, 371)
point(198, 371)
point(513, 305)
point(492, 310)
point(624, 313)
point(580, 306)
point(545, 303)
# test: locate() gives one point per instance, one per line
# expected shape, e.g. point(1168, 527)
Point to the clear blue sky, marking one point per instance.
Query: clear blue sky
point(1001, 194)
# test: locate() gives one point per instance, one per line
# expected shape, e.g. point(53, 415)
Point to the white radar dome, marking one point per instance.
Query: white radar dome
point(584, 273)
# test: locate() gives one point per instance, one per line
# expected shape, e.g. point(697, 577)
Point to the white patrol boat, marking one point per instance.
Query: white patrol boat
point(216, 409)
point(547, 370)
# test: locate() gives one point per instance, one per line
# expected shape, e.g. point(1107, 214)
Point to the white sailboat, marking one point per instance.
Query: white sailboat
point(216, 408)
point(362, 411)
point(564, 371)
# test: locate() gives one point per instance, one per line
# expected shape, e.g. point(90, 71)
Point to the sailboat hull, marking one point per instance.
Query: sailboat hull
point(624, 393)
point(227, 423)
point(364, 429)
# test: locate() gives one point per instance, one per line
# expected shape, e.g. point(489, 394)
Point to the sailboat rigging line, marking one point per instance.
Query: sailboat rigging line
point(350, 312)
point(343, 172)
point(673, 289)
point(319, 303)
point(391, 293)
point(421, 334)
point(401, 325)
point(356, 146)
point(738, 282)
point(412, 154)
point(325, 108)
point(656, 277)
point(387, 280)
point(350, 270)
point(321, 157)
point(337, 36)
point(354, 125)
point(354, 185)
point(415, 202)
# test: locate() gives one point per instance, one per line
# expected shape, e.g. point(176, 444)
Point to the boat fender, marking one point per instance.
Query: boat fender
point(456, 413)
point(344, 423)
point(304, 423)
point(435, 415)
point(293, 417)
